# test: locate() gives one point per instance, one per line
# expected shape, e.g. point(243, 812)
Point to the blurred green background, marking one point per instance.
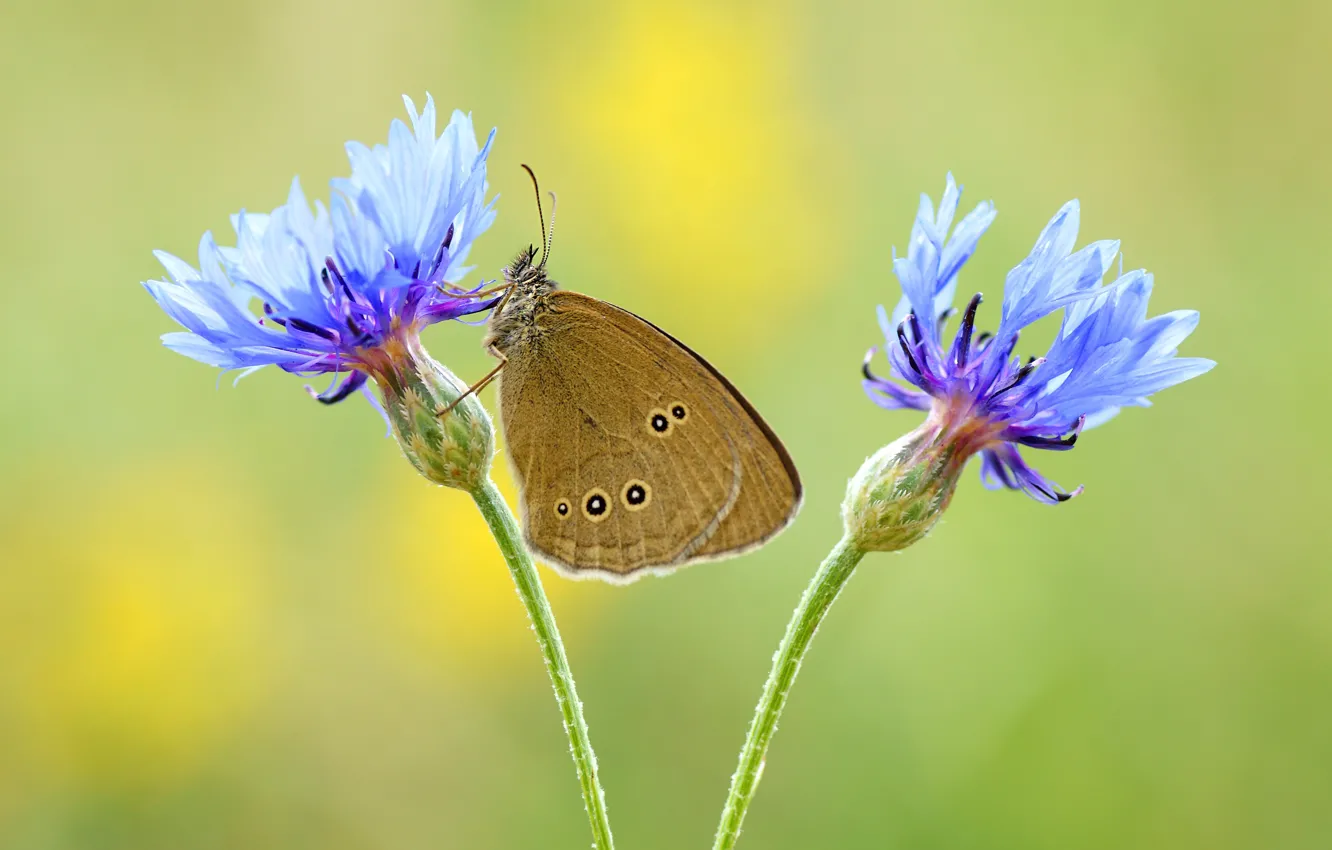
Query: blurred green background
point(230, 617)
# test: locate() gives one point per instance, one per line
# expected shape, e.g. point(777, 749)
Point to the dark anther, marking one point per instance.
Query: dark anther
point(1056, 443)
point(332, 268)
point(916, 335)
point(324, 278)
point(448, 237)
point(1032, 365)
point(416, 271)
point(268, 311)
point(906, 347)
point(865, 367)
point(338, 392)
point(352, 326)
point(1021, 375)
point(1050, 494)
point(944, 317)
point(302, 325)
point(983, 337)
point(968, 325)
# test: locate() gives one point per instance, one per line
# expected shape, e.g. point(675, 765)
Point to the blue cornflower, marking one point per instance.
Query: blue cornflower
point(983, 399)
point(345, 289)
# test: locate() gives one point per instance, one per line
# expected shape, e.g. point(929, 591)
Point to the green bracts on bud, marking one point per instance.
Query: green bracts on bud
point(901, 491)
point(454, 449)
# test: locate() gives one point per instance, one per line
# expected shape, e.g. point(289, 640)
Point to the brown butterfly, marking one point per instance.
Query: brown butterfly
point(632, 452)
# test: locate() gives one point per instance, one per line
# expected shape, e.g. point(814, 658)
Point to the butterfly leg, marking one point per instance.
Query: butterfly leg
point(474, 388)
point(506, 288)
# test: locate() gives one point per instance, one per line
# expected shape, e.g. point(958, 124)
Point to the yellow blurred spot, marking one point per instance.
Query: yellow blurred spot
point(446, 590)
point(130, 645)
point(693, 118)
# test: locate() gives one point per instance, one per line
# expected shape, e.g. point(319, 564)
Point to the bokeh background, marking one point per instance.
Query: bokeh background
point(230, 617)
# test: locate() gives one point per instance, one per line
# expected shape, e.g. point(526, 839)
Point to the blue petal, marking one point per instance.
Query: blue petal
point(336, 279)
point(1109, 354)
point(928, 274)
point(1037, 286)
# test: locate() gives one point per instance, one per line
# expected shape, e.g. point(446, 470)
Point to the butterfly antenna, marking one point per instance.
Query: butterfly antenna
point(545, 239)
point(550, 234)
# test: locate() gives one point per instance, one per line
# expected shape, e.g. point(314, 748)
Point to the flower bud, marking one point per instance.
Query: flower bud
point(901, 491)
point(453, 449)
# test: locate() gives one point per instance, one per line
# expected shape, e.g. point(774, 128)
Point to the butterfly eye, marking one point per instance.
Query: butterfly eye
point(679, 411)
point(636, 495)
point(562, 508)
point(596, 504)
point(658, 422)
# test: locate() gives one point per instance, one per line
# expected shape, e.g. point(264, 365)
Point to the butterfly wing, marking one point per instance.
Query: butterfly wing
point(632, 452)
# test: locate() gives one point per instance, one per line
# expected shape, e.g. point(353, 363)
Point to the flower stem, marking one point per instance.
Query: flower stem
point(833, 574)
point(505, 529)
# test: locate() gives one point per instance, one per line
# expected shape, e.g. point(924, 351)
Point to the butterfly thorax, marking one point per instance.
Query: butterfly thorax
point(516, 322)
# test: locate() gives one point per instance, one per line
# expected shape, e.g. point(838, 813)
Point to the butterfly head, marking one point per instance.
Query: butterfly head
point(527, 284)
point(525, 271)
point(513, 318)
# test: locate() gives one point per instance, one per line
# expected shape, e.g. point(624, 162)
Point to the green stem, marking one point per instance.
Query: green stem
point(832, 576)
point(505, 529)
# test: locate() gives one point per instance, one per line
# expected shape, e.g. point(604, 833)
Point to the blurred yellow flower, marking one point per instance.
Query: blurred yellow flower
point(694, 118)
point(445, 591)
point(132, 647)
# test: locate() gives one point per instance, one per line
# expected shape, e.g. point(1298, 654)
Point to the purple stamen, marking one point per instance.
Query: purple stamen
point(1053, 443)
point(332, 268)
point(943, 318)
point(1059, 498)
point(963, 344)
point(338, 391)
point(1006, 474)
point(996, 364)
point(906, 348)
point(309, 328)
point(1021, 376)
point(865, 367)
point(360, 302)
point(439, 261)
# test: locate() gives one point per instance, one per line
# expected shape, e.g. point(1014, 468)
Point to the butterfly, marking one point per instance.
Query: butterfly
point(632, 453)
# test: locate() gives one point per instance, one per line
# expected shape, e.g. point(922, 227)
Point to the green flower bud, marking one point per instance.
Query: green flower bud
point(901, 491)
point(454, 449)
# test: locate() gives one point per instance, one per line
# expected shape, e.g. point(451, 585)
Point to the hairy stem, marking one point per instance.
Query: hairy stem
point(827, 583)
point(505, 529)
